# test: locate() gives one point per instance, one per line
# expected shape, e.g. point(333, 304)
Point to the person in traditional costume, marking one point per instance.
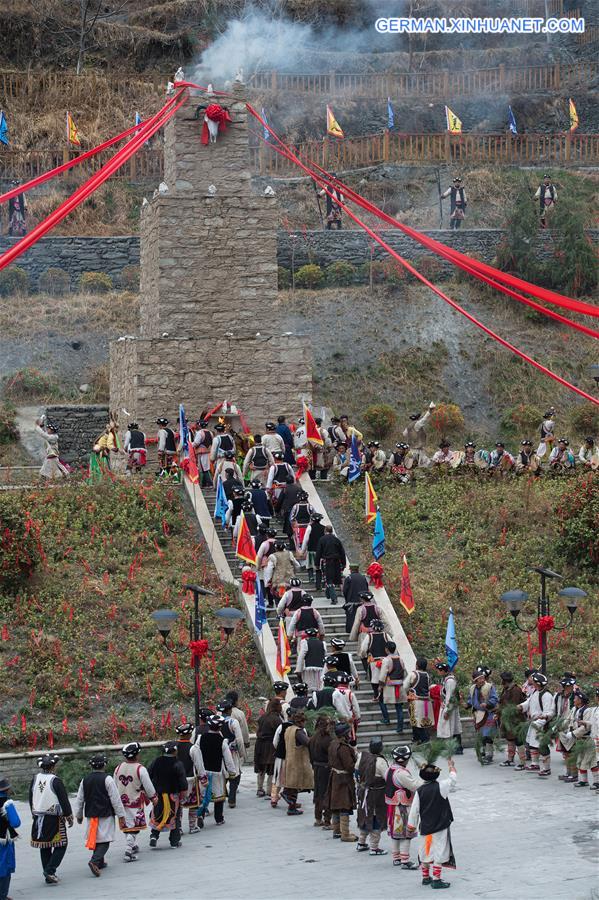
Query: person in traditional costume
point(449, 725)
point(373, 649)
point(298, 776)
point(539, 709)
point(580, 730)
point(344, 662)
point(324, 697)
point(300, 698)
point(280, 568)
point(261, 501)
point(341, 792)
point(309, 546)
point(134, 446)
point(334, 199)
point(400, 786)
point(135, 790)
point(167, 445)
point(272, 440)
point(511, 695)
point(372, 809)
point(547, 433)
point(225, 464)
point(319, 757)
point(239, 715)
point(192, 798)
point(286, 501)
point(278, 475)
point(305, 618)
point(222, 441)
point(354, 585)
point(341, 460)
point(231, 484)
point(251, 519)
point(528, 685)
point(527, 461)
point(346, 704)
point(458, 202)
point(331, 559)
point(17, 213)
point(9, 822)
point(415, 434)
point(501, 460)
point(379, 457)
point(483, 701)
point(546, 194)
point(391, 676)
point(563, 701)
point(417, 690)
point(322, 457)
point(52, 467)
point(234, 507)
point(588, 454)
point(595, 737)
point(285, 431)
point(366, 614)
point(431, 810)
point(214, 764)
point(561, 458)
point(402, 462)
point(258, 460)
point(231, 731)
point(264, 751)
point(98, 800)
point(292, 599)
point(278, 778)
point(51, 811)
point(202, 442)
point(300, 517)
point(311, 653)
point(444, 456)
point(167, 774)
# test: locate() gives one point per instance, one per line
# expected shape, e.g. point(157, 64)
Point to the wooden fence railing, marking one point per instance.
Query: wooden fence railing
point(74, 88)
point(446, 84)
point(369, 150)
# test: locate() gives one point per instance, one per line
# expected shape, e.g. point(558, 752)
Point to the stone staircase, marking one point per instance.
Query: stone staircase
point(333, 618)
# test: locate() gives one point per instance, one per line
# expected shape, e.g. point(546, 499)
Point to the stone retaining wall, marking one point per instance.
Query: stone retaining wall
point(78, 429)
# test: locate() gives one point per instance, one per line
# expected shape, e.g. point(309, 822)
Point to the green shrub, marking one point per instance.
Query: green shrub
point(584, 420)
point(55, 281)
point(447, 419)
point(380, 419)
point(394, 272)
point(30, 384)
point(9, 433)
point(130, 278)
point(429, 266)
point(523, 419)
point(518, 252)
point(340, 272)
point(14, 280)
point(310, 276)
point(574, 267)
point(283, 278)
point(95, 283)
point(379, 272)
point(578, 519)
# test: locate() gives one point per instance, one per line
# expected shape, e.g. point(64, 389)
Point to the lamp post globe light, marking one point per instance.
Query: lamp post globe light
point(514, 601)
point(165, 619)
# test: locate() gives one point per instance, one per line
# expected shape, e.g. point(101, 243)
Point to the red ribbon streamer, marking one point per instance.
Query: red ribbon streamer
point(248, 581)
point(199, 649)
point(544, 624)
point(375, 572)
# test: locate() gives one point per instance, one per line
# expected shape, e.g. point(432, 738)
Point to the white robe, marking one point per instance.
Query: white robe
point(440, 848)
point(312, 675)
point(447, 727)
point(538, 710)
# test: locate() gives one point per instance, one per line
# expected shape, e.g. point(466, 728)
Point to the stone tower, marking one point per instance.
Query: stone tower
point(208, 306)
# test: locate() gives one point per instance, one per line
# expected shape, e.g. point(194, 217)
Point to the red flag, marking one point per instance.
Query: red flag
point(193, 473)
point(245, 545)
point(283, 651)
point(407, 598)
point(371, 500)
point(312, 432)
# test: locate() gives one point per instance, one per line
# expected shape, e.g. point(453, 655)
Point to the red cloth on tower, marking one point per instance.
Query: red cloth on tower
point(217, 114)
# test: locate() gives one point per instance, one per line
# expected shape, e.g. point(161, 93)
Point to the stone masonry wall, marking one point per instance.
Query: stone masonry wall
point(150, 377)
point(78, 429)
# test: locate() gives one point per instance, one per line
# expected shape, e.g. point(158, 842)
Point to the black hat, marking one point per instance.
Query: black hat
point(570, 675)
point(4, 784)
point(589, 439)
point(203, 423)
point(443, 445)
point(256, 483)
point(332, 661)
point(311, 632)
point(337, 643)
point(539, 678)
point(307, 600)
point(300, 688)
point(169, 748)
point(302, 496)
point(526, 443)
point(563, 441)
point(470, 444)
point(238, 492)
point(581, 695)
point(316, 516)
point(162, 421)
point(500, 444)
point(377, 625)
point(219, 427)
point(429, 771)
point(263, 528)
point(294, 582)
point(131, 750)
point(567, 681)
point(550, 412)
point(229, 454)
point(272, 532)
point(184, 728)
point(48, 760)
point(330, 679)
point(366, 595)
point(205, 713)
point(507, 676)
point(224, 704)
point(343, 678)
point(280, 686)
point(547, 176)
point(278, 454)
point(342, 728)
point(280, 545)
point(270, 426)
point(376, 745)
point(215, 721)
point(415, 416)
point(402, 752)
point(479, 672)
point(442, 667)
point(98, 761)
point(133, 425)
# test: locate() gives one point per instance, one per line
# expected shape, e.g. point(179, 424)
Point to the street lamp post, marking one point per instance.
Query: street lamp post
point(165, 619)
point(515, 600)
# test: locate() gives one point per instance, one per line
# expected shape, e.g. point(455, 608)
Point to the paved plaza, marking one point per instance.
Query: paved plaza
point(515, 836)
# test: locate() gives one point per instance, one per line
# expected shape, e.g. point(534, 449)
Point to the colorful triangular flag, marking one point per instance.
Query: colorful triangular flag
point(3, 128)
point(371, 500)
point(454, 125)
point(451, 643)
point(244, 548)
point(312, 432)
point(72, 133)
point(573, 115)
point(406, 597)
point(283, 651)
point(333, 126)
point(378, 540)
point(511, 121)
point(390, 115)
point(355, 461)
point(260, 610)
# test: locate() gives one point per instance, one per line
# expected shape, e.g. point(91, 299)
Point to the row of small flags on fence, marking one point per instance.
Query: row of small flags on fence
point(72, 132)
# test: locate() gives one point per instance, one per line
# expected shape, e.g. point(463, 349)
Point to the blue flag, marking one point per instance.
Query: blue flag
point(378, 541)
point(183, 430)
point(3, 128)
point(355, 461)
point(260, 605)
point(511, 120)
point(390, 115)
point(265, 120)
point(137, 119)
point(221, 506)
point(451, 644)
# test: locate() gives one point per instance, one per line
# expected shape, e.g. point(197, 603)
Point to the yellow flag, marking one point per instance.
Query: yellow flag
point(573, 116)
point(333, 126)
point(454, 125)
point(72, 133)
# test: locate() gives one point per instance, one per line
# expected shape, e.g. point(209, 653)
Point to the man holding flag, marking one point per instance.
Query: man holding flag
point(458, 202)
point(334, 199)
point(450, 725)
